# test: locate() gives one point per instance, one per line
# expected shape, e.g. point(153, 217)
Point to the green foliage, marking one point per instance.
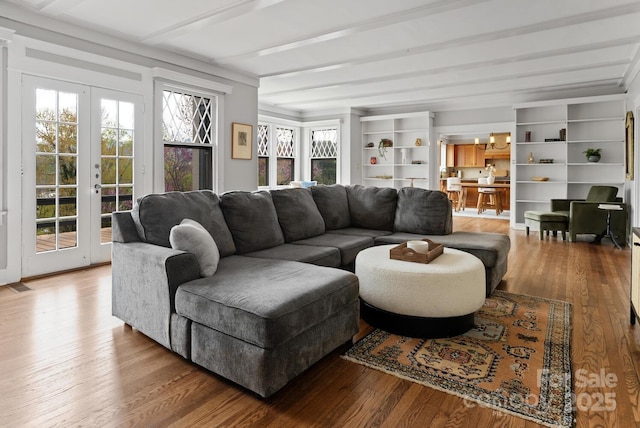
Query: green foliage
point(592, 152)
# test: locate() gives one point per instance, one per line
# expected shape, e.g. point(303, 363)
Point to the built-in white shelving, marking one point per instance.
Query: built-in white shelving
point(597, 122)
point(408, 162)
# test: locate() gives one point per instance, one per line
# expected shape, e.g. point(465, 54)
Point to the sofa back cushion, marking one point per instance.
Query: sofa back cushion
point(252, 219)
point(333, 205)
point(372, 207)
point(426, 212)
point(155, 214)
point(602, 194)
point(298, 214)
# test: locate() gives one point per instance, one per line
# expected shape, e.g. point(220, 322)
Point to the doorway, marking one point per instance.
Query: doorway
point(78, 167)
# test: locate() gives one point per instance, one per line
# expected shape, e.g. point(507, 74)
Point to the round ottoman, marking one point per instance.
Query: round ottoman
point(436, 299)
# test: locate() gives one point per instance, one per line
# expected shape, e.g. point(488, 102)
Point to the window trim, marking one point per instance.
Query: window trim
point(160, 85)
point(299, 132)
point(319, 125)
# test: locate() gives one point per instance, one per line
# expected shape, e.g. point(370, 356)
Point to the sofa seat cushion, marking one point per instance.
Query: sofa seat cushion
point(155, 214)
point(252, 219)
point(349, 245)
point(266, 302)
point(320, 256)
point(423, 211)
point(298, 214)
point(491, 248)
point(372, 207)
point(333, 205)
point(358, 231)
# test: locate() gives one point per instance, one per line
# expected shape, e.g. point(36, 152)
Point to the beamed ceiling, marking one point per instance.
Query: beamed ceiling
point(319, 55)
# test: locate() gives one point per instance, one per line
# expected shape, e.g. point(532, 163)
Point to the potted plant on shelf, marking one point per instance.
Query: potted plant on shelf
point(593, 155)
point(383, 145)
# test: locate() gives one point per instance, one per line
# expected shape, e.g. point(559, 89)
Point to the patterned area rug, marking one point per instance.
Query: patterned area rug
point(517, 359)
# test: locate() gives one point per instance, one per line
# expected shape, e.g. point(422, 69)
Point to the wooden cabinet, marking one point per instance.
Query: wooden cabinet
point(470, 155)
point(451, 155)
point(635, 276)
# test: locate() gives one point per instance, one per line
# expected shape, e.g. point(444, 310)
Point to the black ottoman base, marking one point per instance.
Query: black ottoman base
point(407, 325)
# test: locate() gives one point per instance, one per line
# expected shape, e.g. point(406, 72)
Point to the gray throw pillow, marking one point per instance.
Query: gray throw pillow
point(426, 212)
point(333, 205)
point(252, 219)
point(372, 207)
point(298, 214)
point(191, 237)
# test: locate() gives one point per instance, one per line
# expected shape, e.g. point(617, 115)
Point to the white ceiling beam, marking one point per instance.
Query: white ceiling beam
point(208, 18)
point(58, 7)
point(598, 15)
point(466, 66)
point(347, 30)
point(298, 96)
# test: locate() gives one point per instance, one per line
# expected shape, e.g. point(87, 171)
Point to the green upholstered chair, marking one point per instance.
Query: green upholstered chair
point(586, 218)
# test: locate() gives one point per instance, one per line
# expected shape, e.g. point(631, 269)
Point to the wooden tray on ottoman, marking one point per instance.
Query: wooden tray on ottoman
point(401, 252)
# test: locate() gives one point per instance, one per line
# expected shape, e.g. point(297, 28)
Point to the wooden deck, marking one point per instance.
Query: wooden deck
point(67, 240)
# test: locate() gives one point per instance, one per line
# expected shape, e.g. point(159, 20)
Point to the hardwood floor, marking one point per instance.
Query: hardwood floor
point(67, 362)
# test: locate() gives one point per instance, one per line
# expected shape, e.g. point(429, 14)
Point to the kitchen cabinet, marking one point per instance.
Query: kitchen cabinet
point(451, 155)
point(470, 155)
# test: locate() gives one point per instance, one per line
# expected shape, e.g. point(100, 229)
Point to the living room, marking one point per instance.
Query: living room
point(450, 65)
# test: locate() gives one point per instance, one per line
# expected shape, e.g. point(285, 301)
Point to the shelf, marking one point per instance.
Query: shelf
point(600, 182)
point(409, 179)
point(594, 141)
point(548, 122)
point(595, 163)
point(542, 164)
point(599, 119)
point(524, 143)
point(410, 130)
point(539, 182)
point(377, 132)
point(411, 147)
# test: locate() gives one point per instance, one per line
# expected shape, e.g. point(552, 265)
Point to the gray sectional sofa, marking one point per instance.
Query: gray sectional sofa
point(283, 295)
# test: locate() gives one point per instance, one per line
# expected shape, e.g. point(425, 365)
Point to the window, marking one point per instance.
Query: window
point(263, 155)
point(277, 154)
point(324, 155)
point(188, 135)
point(285, 155)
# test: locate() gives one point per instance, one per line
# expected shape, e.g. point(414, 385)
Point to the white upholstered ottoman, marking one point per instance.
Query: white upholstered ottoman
point(437, 299)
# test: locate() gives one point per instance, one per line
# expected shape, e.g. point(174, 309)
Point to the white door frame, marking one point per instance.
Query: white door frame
point(89, 248)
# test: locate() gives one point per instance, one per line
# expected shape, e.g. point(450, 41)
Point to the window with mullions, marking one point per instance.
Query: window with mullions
point(285, 155)
point(263, 155)
point(324, 155)
point(188, 134)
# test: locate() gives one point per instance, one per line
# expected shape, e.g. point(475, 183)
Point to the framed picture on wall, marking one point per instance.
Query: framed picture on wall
point(629, 144)
point(241, 141)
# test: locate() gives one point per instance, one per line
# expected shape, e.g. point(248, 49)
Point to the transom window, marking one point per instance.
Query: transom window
point(188, 135)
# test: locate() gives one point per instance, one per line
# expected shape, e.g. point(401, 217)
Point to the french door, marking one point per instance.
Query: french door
point(78, 167)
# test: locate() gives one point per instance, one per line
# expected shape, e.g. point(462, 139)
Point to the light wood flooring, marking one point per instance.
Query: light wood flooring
point(66, 362)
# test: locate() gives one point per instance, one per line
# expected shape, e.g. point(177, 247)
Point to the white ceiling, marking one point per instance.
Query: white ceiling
point(317, 55)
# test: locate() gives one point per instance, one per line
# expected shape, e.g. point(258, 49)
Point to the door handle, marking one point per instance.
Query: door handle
point(97, 187)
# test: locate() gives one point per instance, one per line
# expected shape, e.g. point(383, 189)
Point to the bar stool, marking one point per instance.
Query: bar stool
point(488, 197)
point(454, 192)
